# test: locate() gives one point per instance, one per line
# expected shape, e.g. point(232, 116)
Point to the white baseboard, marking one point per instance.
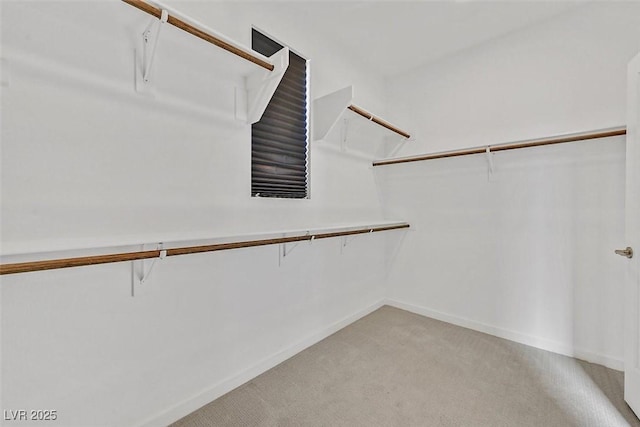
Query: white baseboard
point(187, 406)
point(530, 340)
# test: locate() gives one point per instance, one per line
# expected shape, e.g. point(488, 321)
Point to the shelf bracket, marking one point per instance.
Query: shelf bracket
point(150, 38)
point(328, 109)
point(398, 147)
point(260, 87)
point(489, 156)
point(283, 252)
point(138, 279)
point(347, 239)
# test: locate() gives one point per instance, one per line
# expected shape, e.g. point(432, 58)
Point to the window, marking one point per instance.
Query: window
point(279, 141)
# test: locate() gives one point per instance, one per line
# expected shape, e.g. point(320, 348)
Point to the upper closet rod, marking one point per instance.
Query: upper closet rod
point(377, 120)
point(603, 133)
point(51, 264)
point(189, 28)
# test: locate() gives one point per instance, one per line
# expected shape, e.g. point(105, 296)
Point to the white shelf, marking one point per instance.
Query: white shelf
point(329, 108)
point(82, 246)
point(260, 83)
point(337, 120)
point(104, 40)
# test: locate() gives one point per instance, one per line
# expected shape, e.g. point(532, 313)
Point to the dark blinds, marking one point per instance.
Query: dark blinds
point(279, 139)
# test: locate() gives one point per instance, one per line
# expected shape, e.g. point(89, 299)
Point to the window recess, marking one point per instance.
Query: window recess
point(279, 140)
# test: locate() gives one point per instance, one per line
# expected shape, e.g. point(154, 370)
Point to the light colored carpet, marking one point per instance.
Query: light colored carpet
point(394, 368)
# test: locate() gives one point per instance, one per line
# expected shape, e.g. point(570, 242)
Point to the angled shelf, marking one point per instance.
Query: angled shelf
point(330, 108)
point(173, 56)
point(260, 83)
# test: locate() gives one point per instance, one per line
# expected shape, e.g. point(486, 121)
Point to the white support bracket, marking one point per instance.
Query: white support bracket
point(140, 274)
point(260, 87)
point(283, 252)
point(398, 147)
point(347, 239)
point(489, 155)
point(150, 38)
point(328, 109)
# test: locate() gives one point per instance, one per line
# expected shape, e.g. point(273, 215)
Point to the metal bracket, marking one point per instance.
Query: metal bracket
point(284, 248)
point(283, 252)
point(260, 86)
point(145, 276)
point(489, 155)
point(347, 239)
point(150, 38)
point(139, 266)
point(397, 148)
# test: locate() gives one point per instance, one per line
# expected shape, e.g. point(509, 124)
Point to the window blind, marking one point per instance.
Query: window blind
point(279, 139)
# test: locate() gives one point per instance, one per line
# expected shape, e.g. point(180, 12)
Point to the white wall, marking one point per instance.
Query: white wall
point(527, 254)
point(86, 160)
point(565, 75)
point(130, 151)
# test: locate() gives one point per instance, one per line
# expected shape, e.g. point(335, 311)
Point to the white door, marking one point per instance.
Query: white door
point(632, 216)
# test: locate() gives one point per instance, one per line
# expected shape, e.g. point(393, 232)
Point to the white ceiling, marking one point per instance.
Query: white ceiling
point(397, 36)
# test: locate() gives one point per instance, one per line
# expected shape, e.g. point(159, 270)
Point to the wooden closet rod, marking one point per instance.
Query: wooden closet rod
point(51, 264)
point(185, 26)
point(561, 139)
point(367, 115)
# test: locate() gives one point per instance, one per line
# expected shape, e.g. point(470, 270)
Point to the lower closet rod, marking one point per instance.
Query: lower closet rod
point(51, 264)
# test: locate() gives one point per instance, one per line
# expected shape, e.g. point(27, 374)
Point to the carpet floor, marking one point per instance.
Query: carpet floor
point(395, 368)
